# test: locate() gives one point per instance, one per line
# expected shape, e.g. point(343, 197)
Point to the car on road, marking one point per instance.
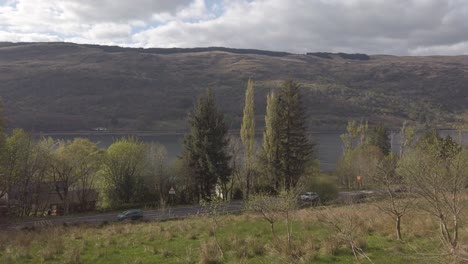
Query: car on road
point(134, 214)
point(310, 197)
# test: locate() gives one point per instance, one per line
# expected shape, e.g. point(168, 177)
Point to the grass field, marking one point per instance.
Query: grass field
point(242, 238)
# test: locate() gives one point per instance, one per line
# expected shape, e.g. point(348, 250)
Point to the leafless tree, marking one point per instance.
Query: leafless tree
point(396, 200)
point(347, 227)
point(275, 208)
point(213, 208)
point(439, 177)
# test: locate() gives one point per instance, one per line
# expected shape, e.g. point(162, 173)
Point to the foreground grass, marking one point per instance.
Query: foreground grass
point(239, 239)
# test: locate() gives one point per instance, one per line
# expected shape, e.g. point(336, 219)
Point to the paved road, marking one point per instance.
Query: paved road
point(156, 215)
point(151, 215)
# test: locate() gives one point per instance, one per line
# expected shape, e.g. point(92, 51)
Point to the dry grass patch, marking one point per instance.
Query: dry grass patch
point(73, 255)
point(244, 247)
point(210, 253)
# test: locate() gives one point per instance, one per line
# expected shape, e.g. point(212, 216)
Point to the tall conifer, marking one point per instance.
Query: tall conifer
point(286, 148)
point(295, 150)
point(205, 147)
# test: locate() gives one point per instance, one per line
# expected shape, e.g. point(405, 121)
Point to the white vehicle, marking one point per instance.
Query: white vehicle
point(310, 197)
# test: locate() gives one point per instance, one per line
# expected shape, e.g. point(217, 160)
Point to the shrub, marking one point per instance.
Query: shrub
point(326, 187)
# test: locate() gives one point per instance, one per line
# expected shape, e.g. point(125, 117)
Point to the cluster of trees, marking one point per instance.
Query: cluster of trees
point(286, 151)
point(214, 160)
point(33, 172)
point(130, 171)
point(362, 146)
point(429, 173)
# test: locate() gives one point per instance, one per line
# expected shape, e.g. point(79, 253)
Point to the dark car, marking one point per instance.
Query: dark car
point(134, 214)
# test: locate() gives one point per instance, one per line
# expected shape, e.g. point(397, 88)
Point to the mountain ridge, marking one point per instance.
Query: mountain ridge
point(66, 86)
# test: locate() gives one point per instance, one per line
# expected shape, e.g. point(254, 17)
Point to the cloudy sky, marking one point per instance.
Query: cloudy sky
point(400, 27)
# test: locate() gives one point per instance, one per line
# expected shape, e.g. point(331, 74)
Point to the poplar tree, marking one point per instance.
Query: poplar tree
point(271, 142)
point(247, 134)
point(205, 147)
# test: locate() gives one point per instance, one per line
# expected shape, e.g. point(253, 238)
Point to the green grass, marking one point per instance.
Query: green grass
point(243, 239)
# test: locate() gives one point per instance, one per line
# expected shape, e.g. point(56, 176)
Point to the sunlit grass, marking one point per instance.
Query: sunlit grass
point(242, 238)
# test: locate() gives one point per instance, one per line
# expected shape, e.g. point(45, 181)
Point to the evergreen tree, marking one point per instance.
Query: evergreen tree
point(247, 134)
point(205, 147)
point(379, 137)
point(295, 150)
point(286, 148)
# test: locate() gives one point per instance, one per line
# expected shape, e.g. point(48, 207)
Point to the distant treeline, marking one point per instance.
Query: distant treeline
point(164, 50)
point(346, 56)
point(325, 55)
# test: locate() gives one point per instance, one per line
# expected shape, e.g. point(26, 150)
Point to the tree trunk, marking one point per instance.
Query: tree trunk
point(398, 227)
point(454, 242)
point(247, 191)
point(65, 201)
point(288, 226)
point(272, 227)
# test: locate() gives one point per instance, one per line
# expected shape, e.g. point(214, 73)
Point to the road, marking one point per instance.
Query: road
point(149, 215)
point(157, 215)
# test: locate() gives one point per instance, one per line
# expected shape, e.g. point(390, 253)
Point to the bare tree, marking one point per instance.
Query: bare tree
point(213, 208)
point(347, 227)
point(396, 200)
point(438, 174)
point(275, 208)
point(266, 206)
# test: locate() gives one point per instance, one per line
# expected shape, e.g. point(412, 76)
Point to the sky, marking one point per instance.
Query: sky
point(396, 27)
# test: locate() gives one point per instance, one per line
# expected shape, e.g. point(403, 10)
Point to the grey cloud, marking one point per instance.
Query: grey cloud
point(118, 10)
point(369, 26)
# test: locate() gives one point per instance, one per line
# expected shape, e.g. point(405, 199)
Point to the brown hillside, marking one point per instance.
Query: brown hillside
point(63, 86)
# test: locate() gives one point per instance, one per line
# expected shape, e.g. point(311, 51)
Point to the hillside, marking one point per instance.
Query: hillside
point(64, 86)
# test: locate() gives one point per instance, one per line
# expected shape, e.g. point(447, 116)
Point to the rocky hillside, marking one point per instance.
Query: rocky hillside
point(64, 86)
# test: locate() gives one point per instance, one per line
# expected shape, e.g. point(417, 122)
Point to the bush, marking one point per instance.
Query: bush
point(326, 187)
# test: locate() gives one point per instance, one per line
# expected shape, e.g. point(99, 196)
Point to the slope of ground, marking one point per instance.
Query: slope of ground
point(243, 239)
point(64, 86)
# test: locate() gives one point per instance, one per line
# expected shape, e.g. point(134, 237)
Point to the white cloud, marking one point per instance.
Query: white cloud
point(369, 26)
point(450, 49)
point(109, 31)
point(26, 37)
point(118, 10)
